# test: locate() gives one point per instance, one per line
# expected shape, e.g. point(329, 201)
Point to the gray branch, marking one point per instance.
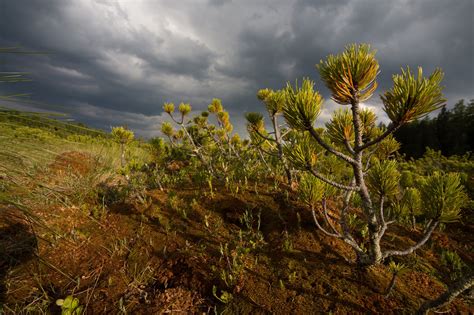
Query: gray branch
point(348, 147)
point(262, 136)
point(420, 243)
point(331, 182)
point(323, 143)
point(391, 129)
point(321, 228)
point(447, 297)
point(326, 216)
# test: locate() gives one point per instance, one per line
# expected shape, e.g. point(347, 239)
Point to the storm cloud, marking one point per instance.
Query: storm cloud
point(113, 62)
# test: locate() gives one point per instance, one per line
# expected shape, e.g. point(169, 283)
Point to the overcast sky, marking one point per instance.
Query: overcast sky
point(114, 62)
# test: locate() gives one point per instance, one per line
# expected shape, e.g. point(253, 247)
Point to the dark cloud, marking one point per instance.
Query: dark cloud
point(115, 62)
point(219, 3)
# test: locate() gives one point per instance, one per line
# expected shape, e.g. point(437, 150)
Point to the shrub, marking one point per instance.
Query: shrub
point(365, 150)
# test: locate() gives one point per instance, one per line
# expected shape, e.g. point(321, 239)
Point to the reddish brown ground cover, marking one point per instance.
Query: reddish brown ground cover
point(150, 259)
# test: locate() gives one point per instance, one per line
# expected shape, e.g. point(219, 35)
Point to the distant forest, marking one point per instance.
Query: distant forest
point(451, 132)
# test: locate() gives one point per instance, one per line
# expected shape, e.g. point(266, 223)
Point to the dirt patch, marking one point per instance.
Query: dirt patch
point(79, 163)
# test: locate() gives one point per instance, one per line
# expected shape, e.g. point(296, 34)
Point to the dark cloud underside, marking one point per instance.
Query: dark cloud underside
point(116, 62)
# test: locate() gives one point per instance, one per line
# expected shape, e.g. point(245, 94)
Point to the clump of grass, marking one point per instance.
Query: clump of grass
point(177, 204)
point(232, 272)
point(287, 245)
point(251, 234)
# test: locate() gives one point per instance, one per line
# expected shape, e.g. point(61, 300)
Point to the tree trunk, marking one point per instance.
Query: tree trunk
point(375, 254)
point(391, 285)
point(280, 148)
point(122, 154)
point(196, 149)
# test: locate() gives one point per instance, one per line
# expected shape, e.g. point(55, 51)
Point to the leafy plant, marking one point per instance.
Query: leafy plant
point(70, 306)
point(225, 297)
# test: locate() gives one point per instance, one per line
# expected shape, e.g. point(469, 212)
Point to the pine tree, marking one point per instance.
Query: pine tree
point(353, 138)
point(123, 137)
point(274, 101)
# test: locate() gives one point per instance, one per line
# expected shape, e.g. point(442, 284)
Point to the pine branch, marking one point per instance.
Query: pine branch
point(382, 220)
point(285, 133)
point(420, 243)
point(259, 150)
point(263, 136)
point(357, 123)
point(381, 213)
point(331, 182)
point(326, 216)
point(321, 228)
point(323, 143)
point(348, 147)
point(269, 153)
point(391, 285)
point(343, 220)
point(447, 297)
point(346, 236)
point(391, 129)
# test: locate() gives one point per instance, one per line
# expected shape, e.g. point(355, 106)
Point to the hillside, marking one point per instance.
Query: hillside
point(160, 236)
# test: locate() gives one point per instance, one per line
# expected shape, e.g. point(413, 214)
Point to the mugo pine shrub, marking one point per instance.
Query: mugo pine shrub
point(367, 176)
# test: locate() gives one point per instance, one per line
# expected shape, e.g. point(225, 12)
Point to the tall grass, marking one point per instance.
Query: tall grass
point(30, 158)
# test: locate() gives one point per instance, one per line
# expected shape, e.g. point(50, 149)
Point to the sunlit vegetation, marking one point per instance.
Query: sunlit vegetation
point(289, 218)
